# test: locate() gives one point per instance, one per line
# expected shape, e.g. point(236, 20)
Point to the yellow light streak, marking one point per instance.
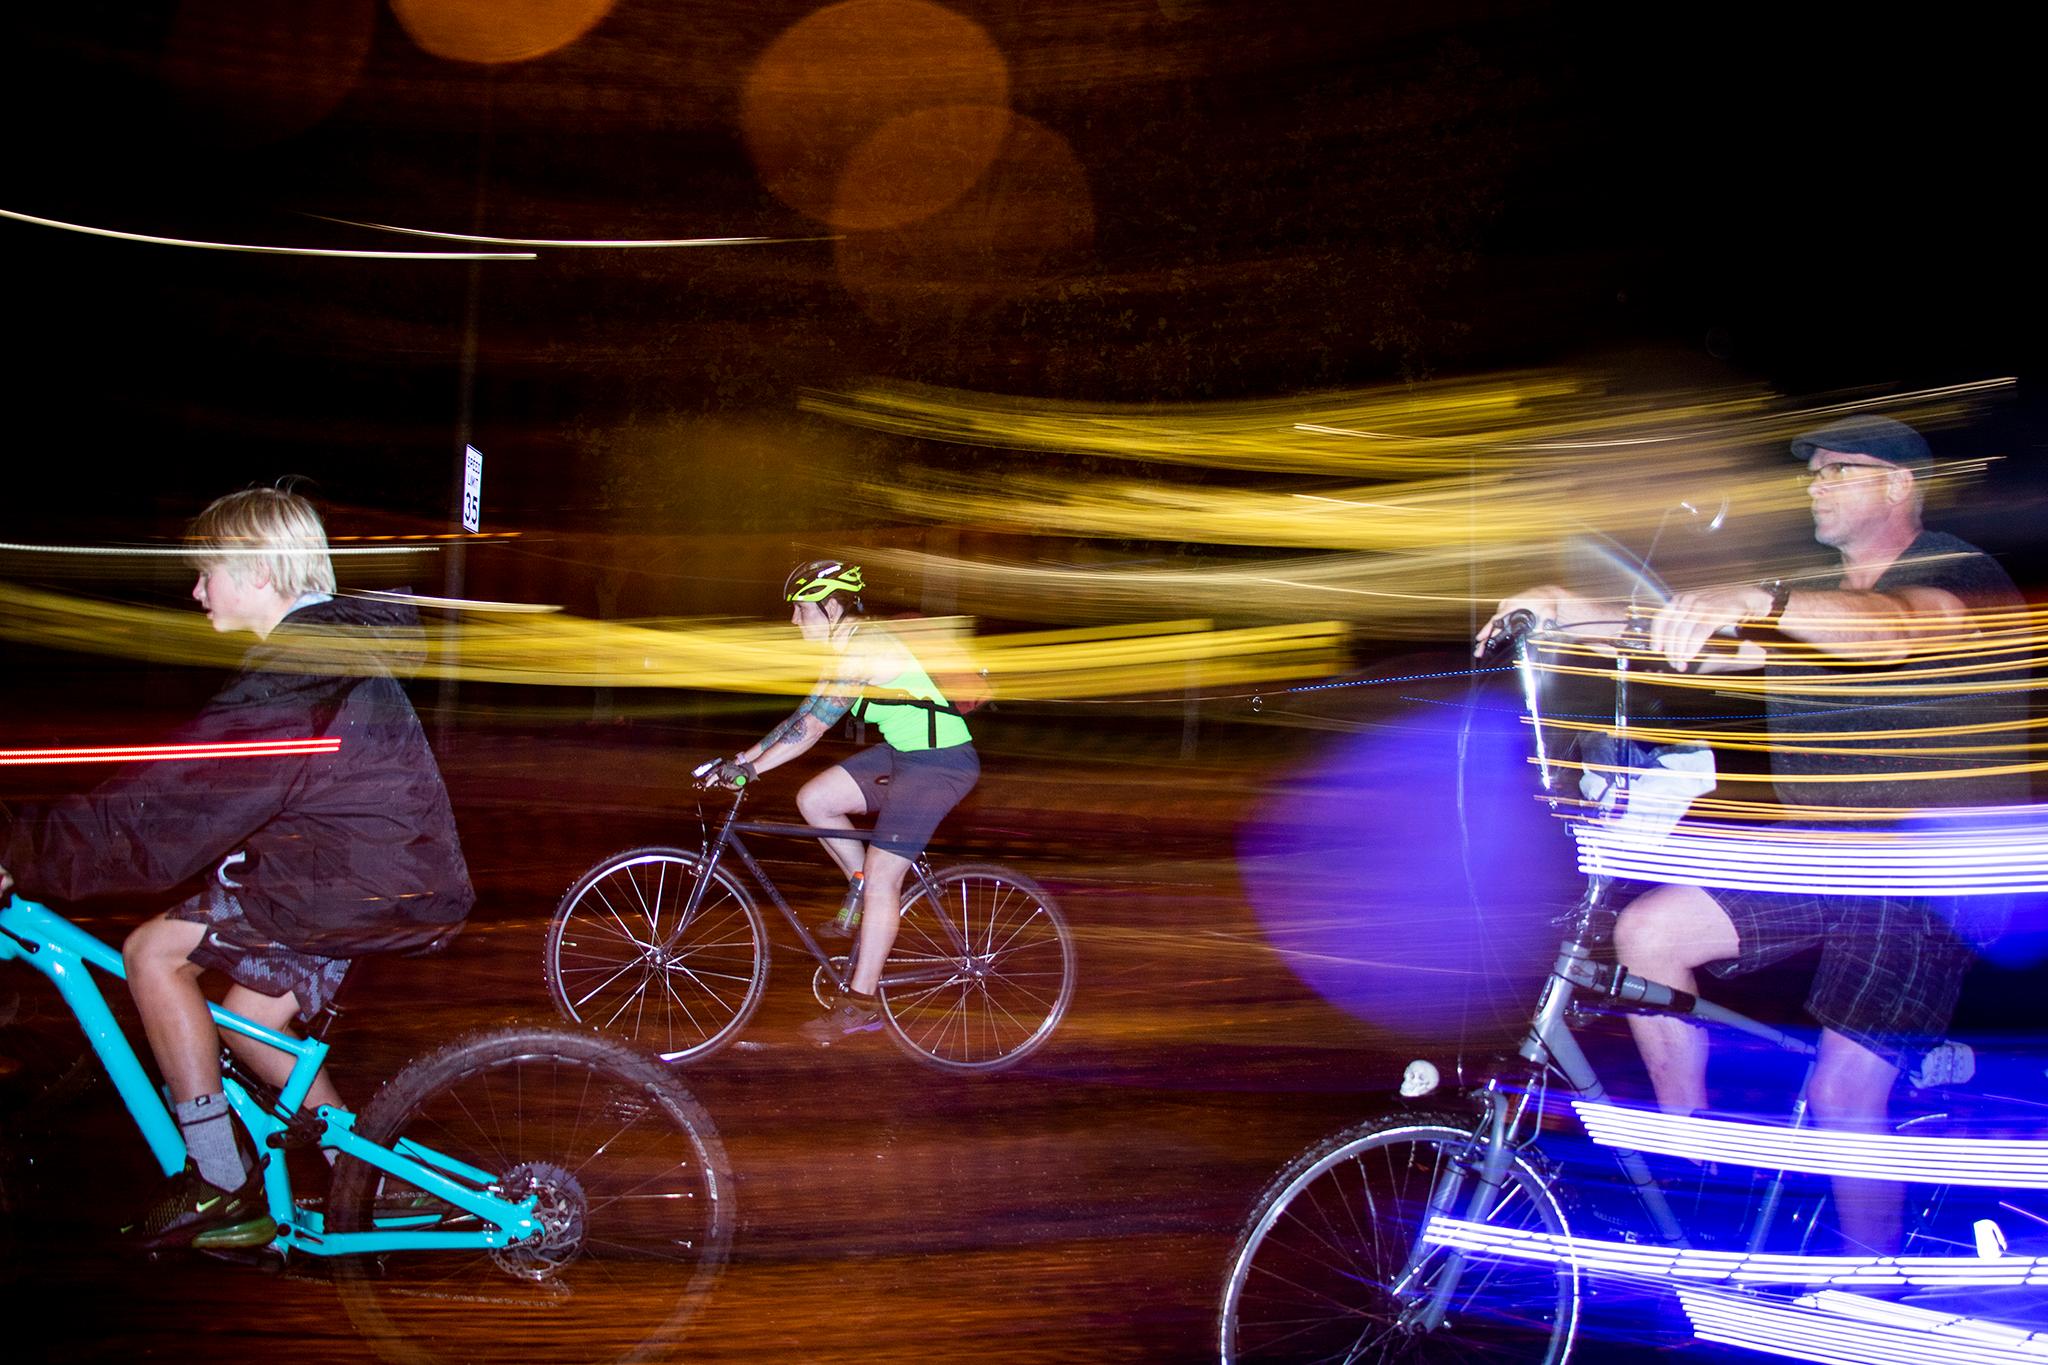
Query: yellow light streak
point(1394, 430)
point(569, 651)
point(1809, 743)
point(1956, 661)
point(1870, 685)
point(1409, 507)
point(1493, 507)
point(1395, 593)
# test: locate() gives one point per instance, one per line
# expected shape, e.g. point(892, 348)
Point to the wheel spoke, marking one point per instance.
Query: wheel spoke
point(1314, 1277)
point(1009, 970)
point(687, 984)
point(629, 1187)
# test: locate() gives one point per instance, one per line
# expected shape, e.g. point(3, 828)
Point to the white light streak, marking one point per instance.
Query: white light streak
point(1352, 502)
point(150, 240)
point(1833, 1328)
point(607, 243)
point(1970, 388)
point(1631, 1260)
point(1999, 1163)
point(1995, 858)
point(196, 552)
point(461, 603)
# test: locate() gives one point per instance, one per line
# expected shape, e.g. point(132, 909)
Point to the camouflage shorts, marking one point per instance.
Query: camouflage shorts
point(236, 947)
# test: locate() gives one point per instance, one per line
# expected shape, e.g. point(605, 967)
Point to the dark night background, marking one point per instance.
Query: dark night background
point(1271, 199)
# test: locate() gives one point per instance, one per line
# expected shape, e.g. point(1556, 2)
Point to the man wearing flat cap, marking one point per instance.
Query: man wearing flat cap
point(1862, 666)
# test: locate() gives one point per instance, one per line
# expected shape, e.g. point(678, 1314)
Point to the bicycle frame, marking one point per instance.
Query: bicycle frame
point(730, 830)
point(1552, 1050)
point(65, 954)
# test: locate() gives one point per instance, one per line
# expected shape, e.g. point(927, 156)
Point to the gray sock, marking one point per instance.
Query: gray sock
point(210, 1140)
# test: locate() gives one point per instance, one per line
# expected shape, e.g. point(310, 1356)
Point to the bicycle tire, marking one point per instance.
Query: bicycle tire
point(1309, 1277)
point(617, 958)
point(1003, 997)
point(632, 1179)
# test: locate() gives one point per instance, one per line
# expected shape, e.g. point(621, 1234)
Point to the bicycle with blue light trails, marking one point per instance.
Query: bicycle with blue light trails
point(1442, 1228)
point(521, 1194)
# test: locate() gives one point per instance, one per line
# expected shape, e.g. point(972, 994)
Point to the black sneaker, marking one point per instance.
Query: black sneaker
point(191, 1211)
point(842, 1022)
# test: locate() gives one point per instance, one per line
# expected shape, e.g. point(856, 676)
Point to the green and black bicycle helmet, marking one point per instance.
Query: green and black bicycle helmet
point(820, 579)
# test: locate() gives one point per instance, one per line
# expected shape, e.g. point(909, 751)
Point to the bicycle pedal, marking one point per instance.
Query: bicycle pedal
point(264, 1258)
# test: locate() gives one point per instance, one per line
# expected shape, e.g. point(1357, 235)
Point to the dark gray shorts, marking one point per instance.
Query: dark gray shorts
point(249, 958)
point(1891, 967)
point(909, 791)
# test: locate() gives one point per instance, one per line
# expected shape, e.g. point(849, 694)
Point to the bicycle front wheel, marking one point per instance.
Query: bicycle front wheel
point(622, 956)
point(632, 1188)
point(1314, 1276)
point(982, 970)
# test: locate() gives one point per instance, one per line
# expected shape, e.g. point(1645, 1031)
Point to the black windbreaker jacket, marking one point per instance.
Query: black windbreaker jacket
point(347, 852)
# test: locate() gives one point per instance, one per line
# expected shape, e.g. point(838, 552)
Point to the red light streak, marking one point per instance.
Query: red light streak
point(161, 753)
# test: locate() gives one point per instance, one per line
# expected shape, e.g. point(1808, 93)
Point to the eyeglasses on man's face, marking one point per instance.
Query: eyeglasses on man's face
point(1836, 472)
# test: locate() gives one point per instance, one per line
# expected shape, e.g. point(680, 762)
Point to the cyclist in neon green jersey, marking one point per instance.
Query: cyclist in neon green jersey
point(925, 764)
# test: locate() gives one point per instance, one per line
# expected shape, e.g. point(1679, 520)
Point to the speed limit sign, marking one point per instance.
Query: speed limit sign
point(472, 489)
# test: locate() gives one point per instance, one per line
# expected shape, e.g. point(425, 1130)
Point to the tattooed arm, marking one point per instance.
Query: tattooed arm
point(805, 726)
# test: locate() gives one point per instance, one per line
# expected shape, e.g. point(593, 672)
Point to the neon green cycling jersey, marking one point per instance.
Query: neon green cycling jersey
point(912, 713)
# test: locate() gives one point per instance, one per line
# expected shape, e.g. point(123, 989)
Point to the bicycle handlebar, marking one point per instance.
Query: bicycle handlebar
point(722, 774)
point(1513, 629)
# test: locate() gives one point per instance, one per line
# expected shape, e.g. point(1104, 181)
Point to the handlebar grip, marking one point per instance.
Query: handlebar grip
point(1516, 626)
point(722, 772)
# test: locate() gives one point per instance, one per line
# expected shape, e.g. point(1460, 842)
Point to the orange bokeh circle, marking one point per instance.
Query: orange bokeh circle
point(915, 165)
point(818, 101)
point(494, 31)
point(1026, 223)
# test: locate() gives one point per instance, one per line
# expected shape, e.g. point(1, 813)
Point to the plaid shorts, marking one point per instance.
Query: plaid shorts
point(236, 947)
point(1891, 967)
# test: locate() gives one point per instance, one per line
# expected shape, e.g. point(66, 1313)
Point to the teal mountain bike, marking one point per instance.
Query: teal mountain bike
point(525, 1194)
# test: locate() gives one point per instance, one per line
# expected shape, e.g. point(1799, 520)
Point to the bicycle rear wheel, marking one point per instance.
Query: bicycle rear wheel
point(994, 967)
point(621, 957)
point(632, 1186)
point(1313, 1275)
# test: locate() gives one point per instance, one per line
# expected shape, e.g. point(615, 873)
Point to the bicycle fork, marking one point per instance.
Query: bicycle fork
point(1427, 1313)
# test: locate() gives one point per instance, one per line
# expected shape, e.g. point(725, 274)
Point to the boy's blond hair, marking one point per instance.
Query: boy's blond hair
point(266, 529)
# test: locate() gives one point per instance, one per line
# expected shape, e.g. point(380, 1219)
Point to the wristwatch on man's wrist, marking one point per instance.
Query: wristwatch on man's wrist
point(1781, 593)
